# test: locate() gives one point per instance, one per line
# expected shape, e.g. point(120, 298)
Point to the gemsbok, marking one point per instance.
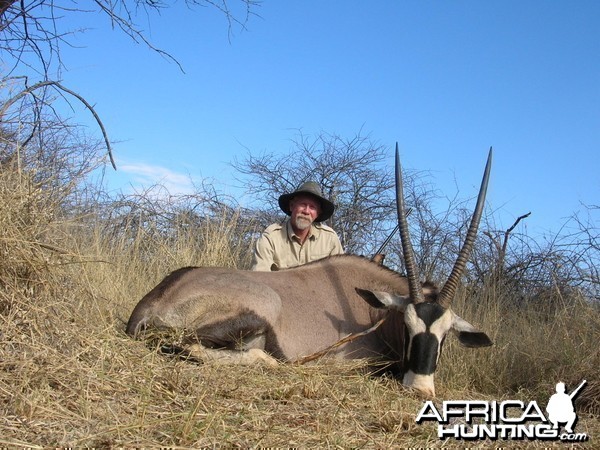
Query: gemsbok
point(393, 320)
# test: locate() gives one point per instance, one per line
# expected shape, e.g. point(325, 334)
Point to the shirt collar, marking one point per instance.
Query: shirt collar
point(315, 231)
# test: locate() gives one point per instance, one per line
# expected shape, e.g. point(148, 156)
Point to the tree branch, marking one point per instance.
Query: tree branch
point(60, 87)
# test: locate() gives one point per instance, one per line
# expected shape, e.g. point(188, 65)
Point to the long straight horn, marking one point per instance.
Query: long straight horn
point(412, 273)
point(449, 290)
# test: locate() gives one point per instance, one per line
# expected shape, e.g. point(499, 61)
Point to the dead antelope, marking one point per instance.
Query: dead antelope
point(293, 313)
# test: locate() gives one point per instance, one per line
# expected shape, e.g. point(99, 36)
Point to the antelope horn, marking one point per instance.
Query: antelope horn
point(412, 273)
point(449, 290)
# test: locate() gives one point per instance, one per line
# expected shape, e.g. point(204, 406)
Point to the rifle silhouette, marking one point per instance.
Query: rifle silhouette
point(576, 391)
point(379, 256)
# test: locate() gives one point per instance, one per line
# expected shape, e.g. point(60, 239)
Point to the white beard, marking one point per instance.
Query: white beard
point(302, 223)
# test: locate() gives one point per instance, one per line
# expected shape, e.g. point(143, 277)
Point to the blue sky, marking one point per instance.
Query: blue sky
point(446, 80)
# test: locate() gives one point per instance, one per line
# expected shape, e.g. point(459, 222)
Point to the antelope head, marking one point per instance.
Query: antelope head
point(428, 316)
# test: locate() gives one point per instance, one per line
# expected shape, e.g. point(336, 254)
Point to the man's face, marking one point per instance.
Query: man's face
point(305, 210)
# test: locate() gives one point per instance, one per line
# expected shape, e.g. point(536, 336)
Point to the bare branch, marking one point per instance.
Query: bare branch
point(31, 89)
point(32, 32)
point(351, 172)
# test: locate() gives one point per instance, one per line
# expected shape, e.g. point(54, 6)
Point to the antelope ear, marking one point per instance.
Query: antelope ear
point(384, 300)
point(468, 335)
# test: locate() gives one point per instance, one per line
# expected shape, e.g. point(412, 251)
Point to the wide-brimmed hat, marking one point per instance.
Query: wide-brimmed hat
point(312, 189)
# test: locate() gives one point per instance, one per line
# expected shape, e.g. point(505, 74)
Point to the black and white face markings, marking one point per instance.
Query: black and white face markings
point(427, 325)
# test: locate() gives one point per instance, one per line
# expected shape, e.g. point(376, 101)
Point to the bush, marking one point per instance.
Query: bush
point(72, 268)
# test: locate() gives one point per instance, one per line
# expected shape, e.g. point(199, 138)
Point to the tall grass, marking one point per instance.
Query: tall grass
point(536, 345)
point(69, 376)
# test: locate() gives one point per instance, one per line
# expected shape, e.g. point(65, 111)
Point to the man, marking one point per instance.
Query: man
point(560, 407)
point(301, 238)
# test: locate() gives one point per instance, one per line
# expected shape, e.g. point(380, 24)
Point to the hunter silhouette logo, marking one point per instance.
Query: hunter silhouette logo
point(560, 407)
point(508, 419)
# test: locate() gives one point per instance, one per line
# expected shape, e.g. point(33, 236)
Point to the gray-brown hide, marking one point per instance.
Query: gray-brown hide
point(289, 313)
point(294, 313)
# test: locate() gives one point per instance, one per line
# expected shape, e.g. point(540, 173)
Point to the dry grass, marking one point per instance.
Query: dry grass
point(69, 376)
point(534, 348)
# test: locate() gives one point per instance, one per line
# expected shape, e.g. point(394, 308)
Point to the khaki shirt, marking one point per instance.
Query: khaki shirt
point(279, 246)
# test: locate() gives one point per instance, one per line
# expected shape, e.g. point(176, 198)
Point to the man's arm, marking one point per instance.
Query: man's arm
point(337, 245)
point(262, 259)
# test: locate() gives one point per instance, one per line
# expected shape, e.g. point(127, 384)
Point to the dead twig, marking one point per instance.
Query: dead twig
point(344, 340)
point(62, 88)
